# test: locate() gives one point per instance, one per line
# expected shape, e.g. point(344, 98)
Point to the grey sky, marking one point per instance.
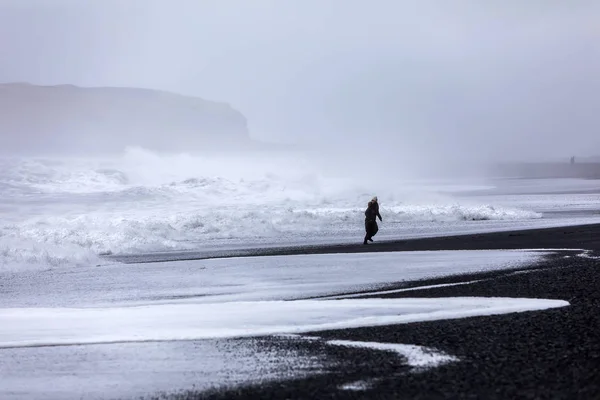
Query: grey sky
point(496, 78)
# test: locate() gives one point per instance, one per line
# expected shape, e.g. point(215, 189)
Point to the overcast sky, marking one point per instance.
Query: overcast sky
point(495, 78)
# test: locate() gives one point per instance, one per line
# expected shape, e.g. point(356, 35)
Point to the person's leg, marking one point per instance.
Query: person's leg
point(366, 232)
point(373, 231)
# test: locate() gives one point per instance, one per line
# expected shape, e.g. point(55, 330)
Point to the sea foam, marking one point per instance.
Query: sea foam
point(71, 211)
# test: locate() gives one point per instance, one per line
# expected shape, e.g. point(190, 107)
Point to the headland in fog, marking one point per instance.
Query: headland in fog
point(71, 119)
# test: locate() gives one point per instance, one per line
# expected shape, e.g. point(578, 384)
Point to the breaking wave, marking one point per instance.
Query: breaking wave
point(71, 212)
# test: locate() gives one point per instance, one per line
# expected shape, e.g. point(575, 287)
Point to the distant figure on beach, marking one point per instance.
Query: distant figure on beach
point(572, 160)
point(371, 215)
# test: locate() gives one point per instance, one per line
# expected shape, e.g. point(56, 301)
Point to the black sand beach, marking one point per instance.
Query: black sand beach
point(551, 354)
point(570, 237)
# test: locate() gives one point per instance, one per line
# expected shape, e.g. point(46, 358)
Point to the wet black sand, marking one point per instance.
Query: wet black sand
point(552, 354)
point(572, 237)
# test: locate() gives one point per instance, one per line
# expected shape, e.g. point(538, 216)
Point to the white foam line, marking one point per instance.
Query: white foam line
point(416, 356)
point(523, 272)
point(552, 249)
point(356, 386)
point(297, 336)
point(588, 257)
point(586, 254)
point(349, 296)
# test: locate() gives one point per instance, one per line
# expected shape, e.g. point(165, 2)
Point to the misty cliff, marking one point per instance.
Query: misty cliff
point(71, 119)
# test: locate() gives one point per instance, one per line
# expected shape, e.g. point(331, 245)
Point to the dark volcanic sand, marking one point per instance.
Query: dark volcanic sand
point(552, 354)
point(571, 237)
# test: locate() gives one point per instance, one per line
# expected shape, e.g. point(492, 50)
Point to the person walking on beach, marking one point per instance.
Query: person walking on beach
point(371, 215)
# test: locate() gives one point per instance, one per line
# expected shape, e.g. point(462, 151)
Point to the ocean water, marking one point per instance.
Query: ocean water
point(75, 211)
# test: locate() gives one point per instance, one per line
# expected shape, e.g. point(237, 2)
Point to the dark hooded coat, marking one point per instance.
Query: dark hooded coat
point(371, 215)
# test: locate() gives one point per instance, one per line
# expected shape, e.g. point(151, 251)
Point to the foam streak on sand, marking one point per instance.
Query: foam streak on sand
point(416, 356)
point(386, 292)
